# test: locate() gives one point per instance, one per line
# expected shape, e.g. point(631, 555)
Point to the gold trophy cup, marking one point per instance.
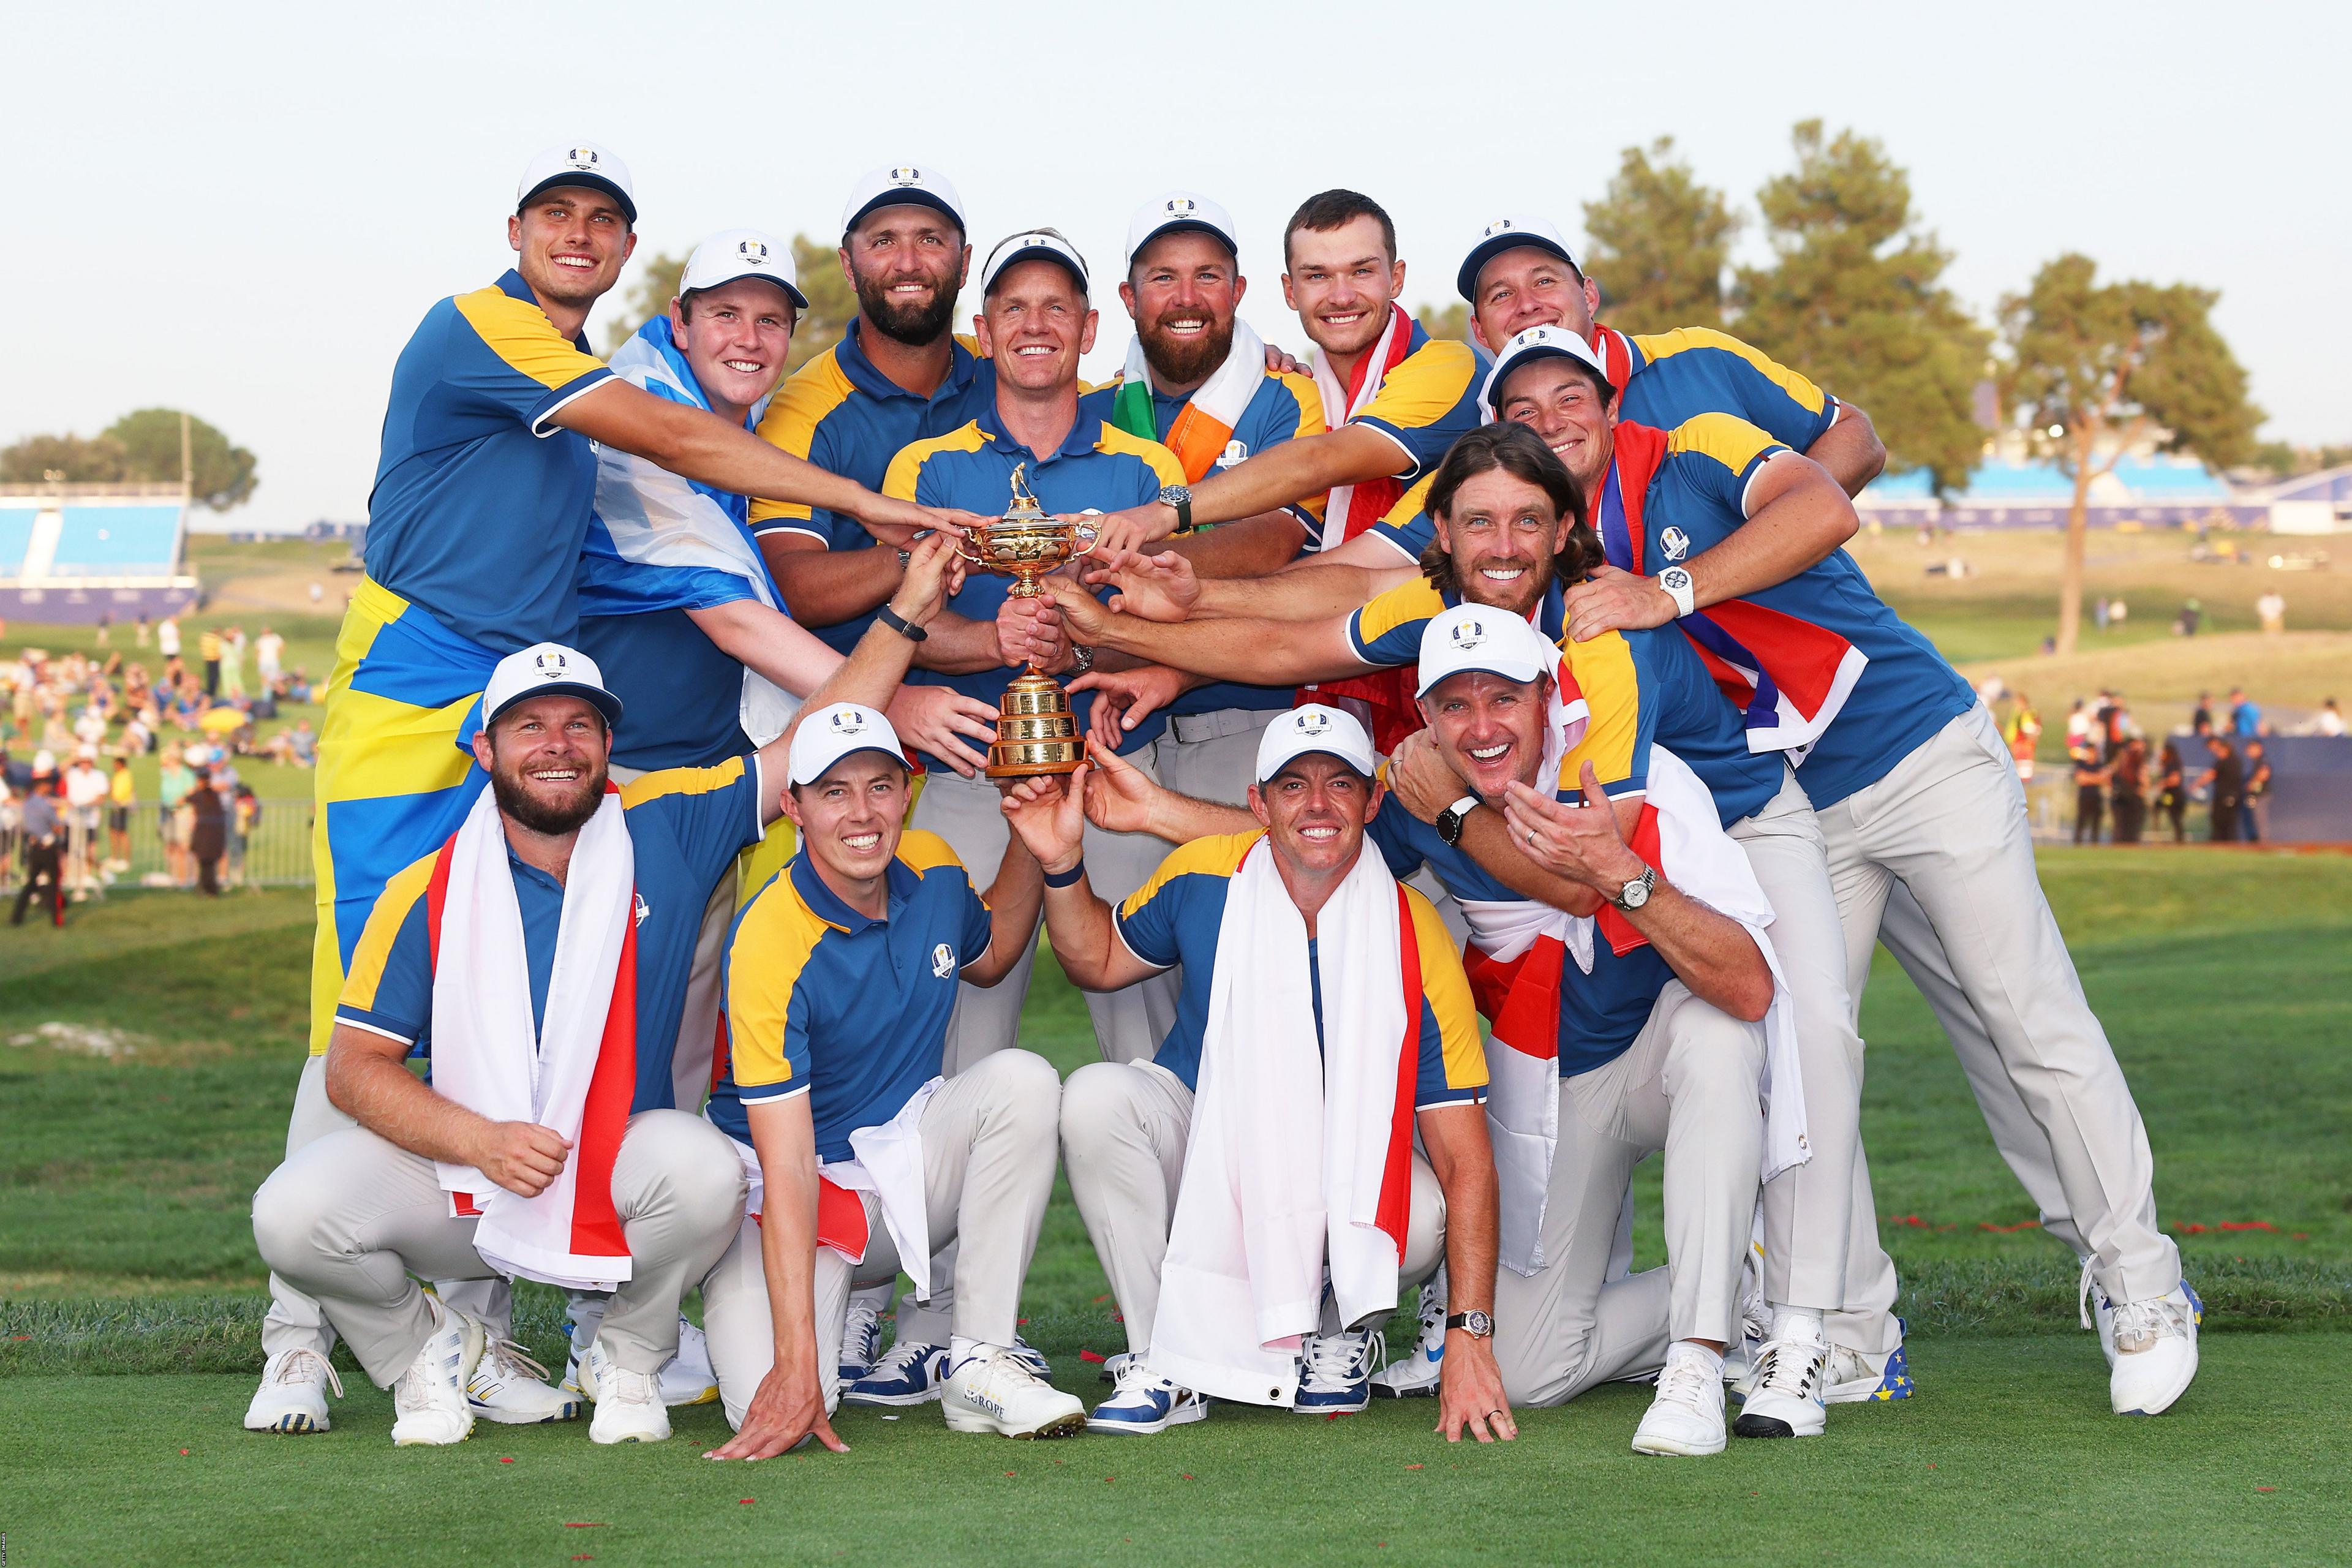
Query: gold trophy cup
point(1035, 731)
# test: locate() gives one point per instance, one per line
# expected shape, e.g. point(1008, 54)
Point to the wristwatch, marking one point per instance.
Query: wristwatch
point(1082, 659)
point(1449, 821)
point(1636, 893)
point(1478, 1325)
point(1674, 582)
point(1181, 498)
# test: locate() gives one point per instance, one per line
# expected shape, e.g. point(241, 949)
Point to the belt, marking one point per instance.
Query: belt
point(1194, 727)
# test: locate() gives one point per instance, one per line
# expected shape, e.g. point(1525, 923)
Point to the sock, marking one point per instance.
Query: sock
point(962, 1349)
point(1797, 1323)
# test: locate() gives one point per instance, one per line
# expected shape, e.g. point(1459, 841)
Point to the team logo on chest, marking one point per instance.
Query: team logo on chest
point(644, 911)
point(943, 961)
point(1234, 452)
point(1674, 541)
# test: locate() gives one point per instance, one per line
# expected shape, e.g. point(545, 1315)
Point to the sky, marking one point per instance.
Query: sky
point(245, 210)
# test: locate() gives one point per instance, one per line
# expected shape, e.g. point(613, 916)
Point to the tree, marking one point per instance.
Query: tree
point(2098, 368)
point(1853, 296)
point(833, 303)
point(1660, 243)
point(36, 458)
point(150, 439)
point(1451, 320)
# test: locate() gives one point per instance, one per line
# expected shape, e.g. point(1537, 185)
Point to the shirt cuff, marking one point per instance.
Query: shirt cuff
point(1119, 925)
point(769, 1093)
point(380, 1024)
point(568, 392)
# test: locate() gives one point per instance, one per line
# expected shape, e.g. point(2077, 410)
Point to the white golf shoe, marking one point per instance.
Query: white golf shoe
point(629, 1406)
point(511, 1389)
point(992, 1390)
point(429, 1398)
point(686, 1378)
point(1147, 1403)
point(1687, 1416)
point(1335, 1371)
point(1784, 1392)
point(861, 1340)
point(292, 1397)
point(1418, 1373)
point(2151, 1345)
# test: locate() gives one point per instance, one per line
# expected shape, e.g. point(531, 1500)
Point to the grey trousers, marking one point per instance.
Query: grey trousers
point(1687, 1085)
point(1128, 1024)
point(1948, 823)
point(1211, 756)
point(351, 1218)
point(1808, 1209)
point(988, 1174)
point(1124, 1129)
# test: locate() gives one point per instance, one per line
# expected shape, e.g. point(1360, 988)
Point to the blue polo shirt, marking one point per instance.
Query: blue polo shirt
point(1639, 686)
point(682, 691)
point(1665, 379)
point(1285, 407)
point(1174, 919)
point(852, 1011)
point(1097, 467)
point(1600, 1014)
point(1905, 693)
point(480, 504)
point(848, 418)
point(686, 825)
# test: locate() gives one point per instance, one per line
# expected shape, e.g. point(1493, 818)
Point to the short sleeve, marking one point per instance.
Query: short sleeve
point(1748, 382)
point(1386, 632)
point(1391, 831)
point(510, 356)
point(1453, 1066)
point(1147, 920)
point(710, 814)
point(1621, 720)
point(796, 423)
point(767, 1003)
point(1425, 404)
point(1719, 457)
point(388, 989)
point(979, 924)
point(1407, 529)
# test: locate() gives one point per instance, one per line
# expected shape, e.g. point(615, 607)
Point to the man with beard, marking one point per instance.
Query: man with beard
point(898, 376)
point(1195, 381)
point(481, 506)
point(559, 1155)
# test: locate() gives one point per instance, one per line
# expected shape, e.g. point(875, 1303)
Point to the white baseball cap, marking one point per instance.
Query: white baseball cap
point(740, 253)
point(1314, 728)
point(1033, 245)
point(1482, 638)
point(1509, 234)
point(902, 185)
point(544, 669)
point(1535, 343)
point(833, 733)
point(44, 761)
point(581, 163)
point(1172, 213)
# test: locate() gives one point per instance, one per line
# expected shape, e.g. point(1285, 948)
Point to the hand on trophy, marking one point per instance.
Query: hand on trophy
point(1048, 814)
point(1119, 797)
point(1126, 698)
point(1084, 619)
point(1162, 587)
point(934, 575)
point(1029, 631)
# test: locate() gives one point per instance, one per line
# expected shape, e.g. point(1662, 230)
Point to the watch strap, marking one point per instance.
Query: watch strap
point(1675, 583)
point(900, 623)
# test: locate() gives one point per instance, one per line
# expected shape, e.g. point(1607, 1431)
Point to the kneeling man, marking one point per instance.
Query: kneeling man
point(534, 957)
point(1630, 1015)
point(1253, 1191)
point(864, 1159)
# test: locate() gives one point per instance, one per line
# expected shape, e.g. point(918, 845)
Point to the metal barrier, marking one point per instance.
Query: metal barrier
point(276, 852)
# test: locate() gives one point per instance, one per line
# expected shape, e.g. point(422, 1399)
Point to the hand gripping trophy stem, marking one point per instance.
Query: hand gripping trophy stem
point(1036, 732)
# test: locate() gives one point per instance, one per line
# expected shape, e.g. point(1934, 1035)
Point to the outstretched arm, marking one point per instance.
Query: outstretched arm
point(1049, 823)
point(1266, 653)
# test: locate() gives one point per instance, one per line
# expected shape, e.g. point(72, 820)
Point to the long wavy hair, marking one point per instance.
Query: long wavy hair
point(1521, 453)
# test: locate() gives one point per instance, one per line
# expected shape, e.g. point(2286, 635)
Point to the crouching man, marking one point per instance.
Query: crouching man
point(1632, 1010)
point(1253, 1191)
point(520, 956)
point(864, 1159)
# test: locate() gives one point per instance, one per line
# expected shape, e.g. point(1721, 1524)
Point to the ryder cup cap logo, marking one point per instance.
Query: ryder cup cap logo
point(1183, 207)
point(847, 722)
point(1469, 635)
point(834, 732)
point(1674, 543)
point(1500, 225)
point(1313, 723)
point(943, 961)
point(581, 157)
point(1314, 728)
point(753, 251)
point(906, 177)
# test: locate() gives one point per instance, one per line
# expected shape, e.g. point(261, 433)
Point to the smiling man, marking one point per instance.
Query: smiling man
point(1325, 1021)
point(843, 973)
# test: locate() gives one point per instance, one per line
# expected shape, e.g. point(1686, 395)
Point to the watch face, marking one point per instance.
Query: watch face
point(1675, 577)
point(1449, 825)
point(1478, 1324)
point(1635, 895)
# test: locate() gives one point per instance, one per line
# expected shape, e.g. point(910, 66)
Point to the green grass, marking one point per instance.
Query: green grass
point(124, 1249)
point(2008, 1455)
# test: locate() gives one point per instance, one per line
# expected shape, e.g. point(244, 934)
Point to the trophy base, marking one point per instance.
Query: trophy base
point(1036, 733)
point(1015, 770)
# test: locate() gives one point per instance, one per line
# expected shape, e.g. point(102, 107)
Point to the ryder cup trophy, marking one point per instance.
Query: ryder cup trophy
point(1035, 731)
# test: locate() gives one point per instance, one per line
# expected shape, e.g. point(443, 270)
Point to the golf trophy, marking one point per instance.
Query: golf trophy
point(1035, 731)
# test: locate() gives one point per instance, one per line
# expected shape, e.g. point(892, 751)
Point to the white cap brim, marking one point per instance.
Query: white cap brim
point(1033, 245)
point(1310, 728)
point(904, 185)
point(547, 669)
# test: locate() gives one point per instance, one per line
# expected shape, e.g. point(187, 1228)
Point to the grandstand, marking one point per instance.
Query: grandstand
point(71, 553)
point(2149, 491)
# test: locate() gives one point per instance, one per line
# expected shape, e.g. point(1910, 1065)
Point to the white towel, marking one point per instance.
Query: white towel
point(1290, 1147)
point(488, 1057)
